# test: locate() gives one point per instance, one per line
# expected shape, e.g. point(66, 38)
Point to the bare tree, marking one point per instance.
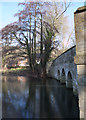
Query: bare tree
point(38, 26)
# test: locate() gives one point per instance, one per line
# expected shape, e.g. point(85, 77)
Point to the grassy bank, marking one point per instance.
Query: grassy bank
point(15, 71)
point(22, 72)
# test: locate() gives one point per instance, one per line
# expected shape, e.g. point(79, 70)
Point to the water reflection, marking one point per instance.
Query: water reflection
point(30, 98)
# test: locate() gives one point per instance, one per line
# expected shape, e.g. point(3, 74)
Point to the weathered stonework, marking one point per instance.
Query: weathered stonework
point(80, 58)
point(64, 69)
point(70, 67)
point(79, 19)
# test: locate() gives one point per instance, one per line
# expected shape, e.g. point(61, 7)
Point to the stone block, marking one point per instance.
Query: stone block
point(63, 79)
point(80, 59)
point(81, 69)
point(69, 84)
point(80, 22)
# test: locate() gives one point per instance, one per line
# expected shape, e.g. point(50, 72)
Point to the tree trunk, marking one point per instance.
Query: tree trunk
point(41, 44)
point(44, 72)
point(35, 39)
point(30, 51)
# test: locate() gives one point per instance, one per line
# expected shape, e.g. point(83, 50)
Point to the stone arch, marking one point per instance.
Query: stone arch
point(58, 74)
point(63, 72)
point(63, 77)
point(69, 75)
point(69, 82)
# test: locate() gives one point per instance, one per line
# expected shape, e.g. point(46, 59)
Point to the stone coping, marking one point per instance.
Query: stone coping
point(64, 52)
point(80, 9)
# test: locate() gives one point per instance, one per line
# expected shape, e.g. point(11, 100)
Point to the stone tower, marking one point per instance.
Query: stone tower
point(80, 58)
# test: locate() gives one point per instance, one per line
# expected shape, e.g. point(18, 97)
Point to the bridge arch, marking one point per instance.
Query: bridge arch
point(69, 81)
point(65, 64)
point(58, 74)
point(63, 76)
point(63, 72)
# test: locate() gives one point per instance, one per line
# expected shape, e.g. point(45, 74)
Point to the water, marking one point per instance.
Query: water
point(31, 98)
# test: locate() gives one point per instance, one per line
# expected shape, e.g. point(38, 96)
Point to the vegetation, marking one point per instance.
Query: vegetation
point(35, 32)
point(14, 71)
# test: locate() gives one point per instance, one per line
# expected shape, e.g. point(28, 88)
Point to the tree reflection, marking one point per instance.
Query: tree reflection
point(31, 98)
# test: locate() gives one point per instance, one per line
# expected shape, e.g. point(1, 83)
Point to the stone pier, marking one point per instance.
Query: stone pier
point(80, 58)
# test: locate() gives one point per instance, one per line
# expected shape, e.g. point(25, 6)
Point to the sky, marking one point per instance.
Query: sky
point(73, 7)
point(8, 9)
point(70, 12)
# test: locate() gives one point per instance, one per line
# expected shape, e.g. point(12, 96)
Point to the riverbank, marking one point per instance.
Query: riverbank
point(20, 72)
point(15, 71)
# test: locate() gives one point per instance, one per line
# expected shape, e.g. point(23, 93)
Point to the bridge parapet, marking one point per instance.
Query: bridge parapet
point(67, 56)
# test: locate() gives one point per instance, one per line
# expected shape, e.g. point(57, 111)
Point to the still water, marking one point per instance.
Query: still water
point(32, 98)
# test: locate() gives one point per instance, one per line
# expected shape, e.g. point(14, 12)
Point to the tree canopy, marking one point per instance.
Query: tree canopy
point(35, 32)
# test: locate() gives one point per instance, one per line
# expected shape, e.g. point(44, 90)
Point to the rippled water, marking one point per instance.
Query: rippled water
point(31, 98)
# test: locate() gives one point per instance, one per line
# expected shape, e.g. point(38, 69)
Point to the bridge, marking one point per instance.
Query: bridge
point(64, 69)
point(70, 67)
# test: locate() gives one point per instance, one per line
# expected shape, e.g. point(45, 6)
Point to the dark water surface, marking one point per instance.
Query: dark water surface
point(31, 98)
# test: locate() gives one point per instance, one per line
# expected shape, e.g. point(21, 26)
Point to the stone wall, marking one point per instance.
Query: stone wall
point(80, 58)
point(64, 69)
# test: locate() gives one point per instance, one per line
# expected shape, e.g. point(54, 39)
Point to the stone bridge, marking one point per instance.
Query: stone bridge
point(64, 69)
point(70, 67)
